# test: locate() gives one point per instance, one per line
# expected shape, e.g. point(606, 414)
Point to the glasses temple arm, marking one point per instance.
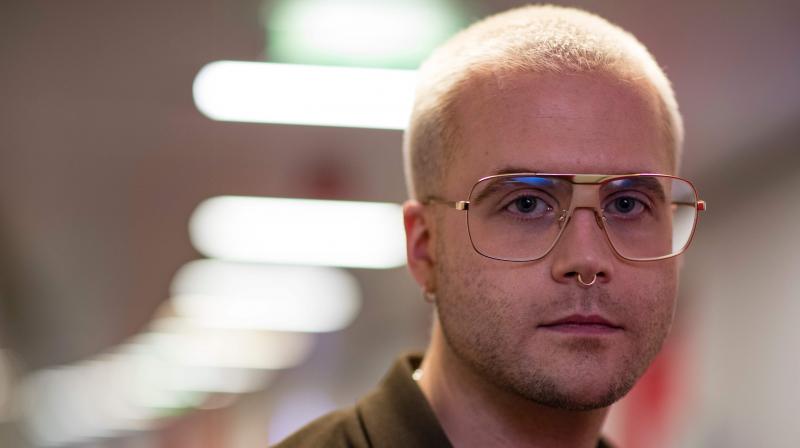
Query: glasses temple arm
point(458, 205)
point(700, 205)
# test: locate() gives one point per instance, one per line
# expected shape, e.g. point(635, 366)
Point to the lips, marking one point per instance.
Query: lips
point(578, 323)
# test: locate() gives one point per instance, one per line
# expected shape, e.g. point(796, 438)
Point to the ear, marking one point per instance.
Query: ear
point(419, 244)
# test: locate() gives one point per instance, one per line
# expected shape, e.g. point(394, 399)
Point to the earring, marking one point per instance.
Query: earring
point(429, 296)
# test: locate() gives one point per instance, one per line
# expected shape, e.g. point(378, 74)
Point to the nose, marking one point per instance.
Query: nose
point(583, 255)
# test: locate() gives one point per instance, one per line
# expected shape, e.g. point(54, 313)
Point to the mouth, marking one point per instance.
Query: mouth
point(582, 325)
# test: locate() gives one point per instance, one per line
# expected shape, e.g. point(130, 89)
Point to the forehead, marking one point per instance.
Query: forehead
point(556, 123)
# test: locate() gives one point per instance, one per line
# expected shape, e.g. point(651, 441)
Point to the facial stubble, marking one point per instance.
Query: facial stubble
point(480, 324)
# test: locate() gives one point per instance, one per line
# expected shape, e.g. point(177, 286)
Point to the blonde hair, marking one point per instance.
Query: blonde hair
point(536, 39)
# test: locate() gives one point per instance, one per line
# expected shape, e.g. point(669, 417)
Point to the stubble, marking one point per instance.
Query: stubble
point(486, 328)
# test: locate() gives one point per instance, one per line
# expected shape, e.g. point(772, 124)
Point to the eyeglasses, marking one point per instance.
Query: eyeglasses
point(520, 217)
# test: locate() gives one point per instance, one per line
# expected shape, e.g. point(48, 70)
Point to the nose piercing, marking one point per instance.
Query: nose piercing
point(580, 280)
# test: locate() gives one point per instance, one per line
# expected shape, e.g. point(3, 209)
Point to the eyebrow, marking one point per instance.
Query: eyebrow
point(508, 169)
point(649, 183)
point(512, 170)
point(495, 186)
point(492, 188)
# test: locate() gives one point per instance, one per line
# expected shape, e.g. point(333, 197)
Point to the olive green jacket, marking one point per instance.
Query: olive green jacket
point(396, 414)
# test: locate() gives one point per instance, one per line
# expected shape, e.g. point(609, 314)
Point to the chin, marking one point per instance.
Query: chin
point(573, 390)
point(585, 383)
point(586, 398)
point(596, 399)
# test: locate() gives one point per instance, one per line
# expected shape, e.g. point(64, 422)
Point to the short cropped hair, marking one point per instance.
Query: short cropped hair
point(532, 39)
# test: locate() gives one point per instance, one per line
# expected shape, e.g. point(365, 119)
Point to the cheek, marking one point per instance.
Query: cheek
point(451, 240)
point(655, 296)
point(466, 282)
point(494, 280)
point(497, 296)
point(455, 259)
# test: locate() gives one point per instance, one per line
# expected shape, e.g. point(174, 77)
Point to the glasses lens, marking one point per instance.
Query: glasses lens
point(517, 218)
point(648, 217)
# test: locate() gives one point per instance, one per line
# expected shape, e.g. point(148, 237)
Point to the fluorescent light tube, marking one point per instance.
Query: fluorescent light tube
point(300, 231)
point(261, 92)
point(267, 297)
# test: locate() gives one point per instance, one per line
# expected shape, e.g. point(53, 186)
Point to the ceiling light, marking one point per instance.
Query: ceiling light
point(221, 294)
point(260, 92)
point(300, 231)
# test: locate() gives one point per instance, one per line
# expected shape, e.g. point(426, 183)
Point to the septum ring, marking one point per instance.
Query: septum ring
point(580, 280)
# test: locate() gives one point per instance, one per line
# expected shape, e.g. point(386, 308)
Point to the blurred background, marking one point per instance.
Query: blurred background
point(149, 298)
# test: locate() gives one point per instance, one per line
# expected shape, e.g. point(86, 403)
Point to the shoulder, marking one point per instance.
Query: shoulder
point(339, 429)
point(394, 415)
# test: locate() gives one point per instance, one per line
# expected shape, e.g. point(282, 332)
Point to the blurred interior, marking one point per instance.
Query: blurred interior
point(105, 158)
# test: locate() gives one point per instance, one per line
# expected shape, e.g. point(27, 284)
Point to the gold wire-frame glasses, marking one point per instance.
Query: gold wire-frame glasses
point(520, 217)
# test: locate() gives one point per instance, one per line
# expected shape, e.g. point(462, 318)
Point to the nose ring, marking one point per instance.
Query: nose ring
point(580, 280)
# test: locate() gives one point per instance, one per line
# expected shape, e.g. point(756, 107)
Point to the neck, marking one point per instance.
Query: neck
point(474, 412)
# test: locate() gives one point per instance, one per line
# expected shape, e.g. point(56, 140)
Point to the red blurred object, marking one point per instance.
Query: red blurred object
point(649, 416)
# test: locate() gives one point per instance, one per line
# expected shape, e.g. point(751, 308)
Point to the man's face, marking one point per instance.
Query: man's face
point(494, 313)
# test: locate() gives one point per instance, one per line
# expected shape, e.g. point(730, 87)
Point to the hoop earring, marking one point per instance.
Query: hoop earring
point(429, 296)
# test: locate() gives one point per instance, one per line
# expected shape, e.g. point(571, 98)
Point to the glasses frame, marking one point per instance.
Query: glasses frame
point(582, 198)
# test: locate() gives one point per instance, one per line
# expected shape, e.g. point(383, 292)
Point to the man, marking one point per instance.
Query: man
point(552, 293)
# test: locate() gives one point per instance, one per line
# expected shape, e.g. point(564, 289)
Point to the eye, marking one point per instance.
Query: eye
point(625, 205)
point(527, 206)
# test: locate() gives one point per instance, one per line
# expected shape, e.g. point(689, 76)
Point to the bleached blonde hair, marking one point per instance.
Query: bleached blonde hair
point(532, 39)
